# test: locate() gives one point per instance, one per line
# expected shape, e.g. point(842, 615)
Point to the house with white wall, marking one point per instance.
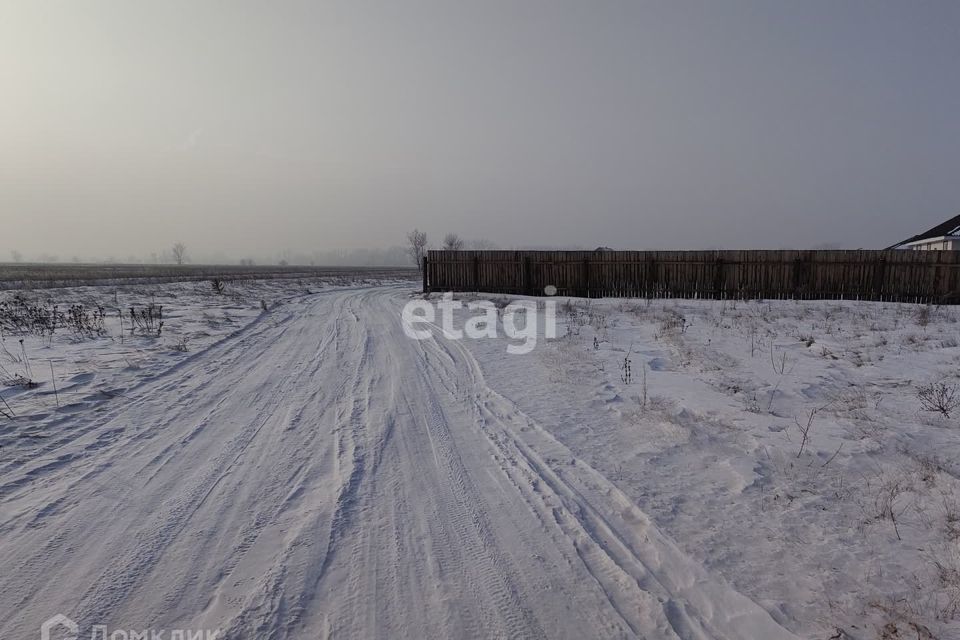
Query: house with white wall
point(943, 237)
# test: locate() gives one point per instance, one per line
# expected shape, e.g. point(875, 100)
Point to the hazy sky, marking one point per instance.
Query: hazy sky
point(247, 128)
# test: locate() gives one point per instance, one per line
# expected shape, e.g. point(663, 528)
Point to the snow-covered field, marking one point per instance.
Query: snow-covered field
point(759, 470)
point(856, 535)
point(100, 351)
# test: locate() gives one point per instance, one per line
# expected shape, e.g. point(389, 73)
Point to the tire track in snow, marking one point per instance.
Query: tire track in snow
point(326, 476)
point(653, 586)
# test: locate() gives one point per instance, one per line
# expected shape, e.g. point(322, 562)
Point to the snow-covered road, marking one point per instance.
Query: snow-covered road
point(322, 475)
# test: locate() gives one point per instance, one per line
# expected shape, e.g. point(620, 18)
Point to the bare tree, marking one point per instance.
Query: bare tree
point(417, 246)
point(452, 242)
point(16, 256)
point(179, 253)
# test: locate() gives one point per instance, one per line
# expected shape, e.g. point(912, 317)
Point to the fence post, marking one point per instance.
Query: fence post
point(932, 287)
point(426, 281)
point(801, 276)
point(718, 280)
point(879, 276)
point(651, 277)
point(586, 277)
point(527, 276)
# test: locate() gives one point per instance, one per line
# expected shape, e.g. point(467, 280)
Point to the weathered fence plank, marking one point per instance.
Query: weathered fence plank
point(894, 275)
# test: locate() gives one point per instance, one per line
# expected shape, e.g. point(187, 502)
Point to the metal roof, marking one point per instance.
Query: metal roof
point(949, 228)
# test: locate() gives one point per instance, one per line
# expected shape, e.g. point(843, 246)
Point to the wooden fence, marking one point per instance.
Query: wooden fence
point(894, 275)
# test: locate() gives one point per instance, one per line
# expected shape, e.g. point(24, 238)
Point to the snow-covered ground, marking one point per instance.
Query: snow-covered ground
point(858, 534)
point(101, 352)
point(309, 471)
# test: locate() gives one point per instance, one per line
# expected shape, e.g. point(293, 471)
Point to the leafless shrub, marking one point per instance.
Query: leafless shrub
point(148, 319)
point(18, 316)
point(577, 316)
point(948, 575)
point(86, 322)
point(644, 383)
point(939, 397)
point(218, 285)
point(805, 428)
point(779, 364)
point(886, 501)
point(780, 368)
point(625, 367)
point(25, 360)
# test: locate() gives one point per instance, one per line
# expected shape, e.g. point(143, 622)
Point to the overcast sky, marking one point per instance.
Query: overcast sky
point(249, 128)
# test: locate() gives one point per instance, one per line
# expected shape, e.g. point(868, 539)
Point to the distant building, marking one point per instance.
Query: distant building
point(943, 237)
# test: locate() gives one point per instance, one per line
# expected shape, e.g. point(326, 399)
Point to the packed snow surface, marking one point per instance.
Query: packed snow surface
point(309, 471)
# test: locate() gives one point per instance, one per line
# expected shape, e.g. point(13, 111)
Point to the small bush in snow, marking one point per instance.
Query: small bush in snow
point(939, 397)
point(148, 319)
